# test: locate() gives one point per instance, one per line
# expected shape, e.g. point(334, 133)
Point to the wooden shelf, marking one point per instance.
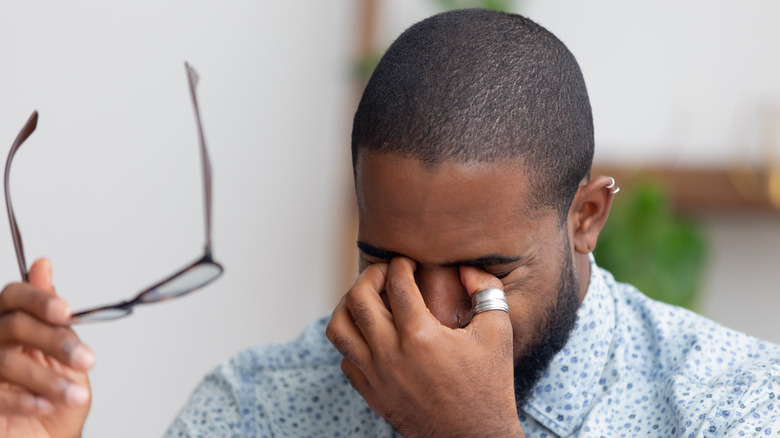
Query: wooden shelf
point(737, 189)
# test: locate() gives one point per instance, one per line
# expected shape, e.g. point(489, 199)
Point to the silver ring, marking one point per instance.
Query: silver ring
point(489, 299)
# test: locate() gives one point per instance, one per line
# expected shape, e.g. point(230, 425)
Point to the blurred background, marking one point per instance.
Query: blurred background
point(686, 107)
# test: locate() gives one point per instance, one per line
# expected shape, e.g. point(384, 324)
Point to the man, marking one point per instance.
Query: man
point(471, 147)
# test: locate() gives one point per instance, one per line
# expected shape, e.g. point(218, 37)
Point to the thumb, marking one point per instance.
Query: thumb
point(40, 275)
point(491, 324)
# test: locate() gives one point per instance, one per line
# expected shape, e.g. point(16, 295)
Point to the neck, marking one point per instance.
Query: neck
point(582, 272)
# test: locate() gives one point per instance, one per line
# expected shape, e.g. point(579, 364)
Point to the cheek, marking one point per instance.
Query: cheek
point(529, 299)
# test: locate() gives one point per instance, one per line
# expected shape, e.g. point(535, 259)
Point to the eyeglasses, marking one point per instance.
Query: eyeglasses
point(193, 276)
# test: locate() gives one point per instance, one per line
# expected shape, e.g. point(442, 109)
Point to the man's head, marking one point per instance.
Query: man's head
point(482, 86)
point(471, 147)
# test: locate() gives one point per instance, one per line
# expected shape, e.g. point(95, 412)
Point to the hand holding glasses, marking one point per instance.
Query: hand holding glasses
point(193, 276)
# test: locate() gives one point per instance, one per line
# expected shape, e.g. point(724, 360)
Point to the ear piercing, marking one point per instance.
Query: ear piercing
point(614, 190)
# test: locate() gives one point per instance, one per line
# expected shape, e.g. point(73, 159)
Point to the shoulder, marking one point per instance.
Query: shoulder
point(310, 350)
point(714, 378)
point(282, 372)
point(681, 341)
point(293, 388)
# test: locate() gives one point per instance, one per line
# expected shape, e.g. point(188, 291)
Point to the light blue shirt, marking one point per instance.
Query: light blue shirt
point(632, 367)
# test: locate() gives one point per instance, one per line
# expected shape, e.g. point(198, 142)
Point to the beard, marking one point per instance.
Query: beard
point(552, 334)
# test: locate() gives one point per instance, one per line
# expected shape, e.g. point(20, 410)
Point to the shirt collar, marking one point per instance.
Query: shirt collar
point(563, 394)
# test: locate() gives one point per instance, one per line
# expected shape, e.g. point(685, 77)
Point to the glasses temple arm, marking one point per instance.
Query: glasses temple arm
point(192, 78)
point(28, 129)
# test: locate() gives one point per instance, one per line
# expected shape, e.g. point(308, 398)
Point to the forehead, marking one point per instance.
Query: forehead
point(446, 212)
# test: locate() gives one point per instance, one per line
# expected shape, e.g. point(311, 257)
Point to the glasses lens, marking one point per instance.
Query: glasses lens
point(101, 315)
point(193, 278)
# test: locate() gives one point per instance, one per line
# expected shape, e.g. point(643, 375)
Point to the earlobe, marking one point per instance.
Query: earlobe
point(589, 212)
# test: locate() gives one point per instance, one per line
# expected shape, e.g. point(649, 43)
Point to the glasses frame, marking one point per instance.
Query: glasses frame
point(146, 296)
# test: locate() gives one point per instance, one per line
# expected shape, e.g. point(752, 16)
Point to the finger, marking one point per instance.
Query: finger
point(19, 369)
point(406, 301)
point(355, 376)
point(346, 337)
point(496, 322)
point(23, 403)
point(59, 342)
point(40, 275)
point(475, 280)
point(30, 299)
point(368, 311)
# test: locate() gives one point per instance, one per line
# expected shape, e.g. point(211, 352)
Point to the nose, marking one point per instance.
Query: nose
point(445, 295)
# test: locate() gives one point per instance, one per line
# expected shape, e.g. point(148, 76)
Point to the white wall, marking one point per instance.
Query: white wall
point(688, 82)
point(675, 82)
point(109, 184)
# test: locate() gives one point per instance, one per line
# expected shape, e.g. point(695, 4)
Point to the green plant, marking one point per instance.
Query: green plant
point(647, 244)
point(497, 5)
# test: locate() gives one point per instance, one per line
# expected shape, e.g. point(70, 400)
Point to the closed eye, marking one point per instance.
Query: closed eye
point(498, 271)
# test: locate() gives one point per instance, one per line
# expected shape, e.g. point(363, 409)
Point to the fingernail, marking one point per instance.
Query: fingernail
point(82, 357)
point(76, 395)
point(58, 310)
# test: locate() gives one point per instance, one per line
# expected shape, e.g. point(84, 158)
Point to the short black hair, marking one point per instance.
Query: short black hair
point(476, 85)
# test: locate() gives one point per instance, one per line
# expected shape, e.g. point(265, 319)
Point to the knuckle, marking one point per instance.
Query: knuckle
point(5, 294)
point(331, 332)
point(10, 360)
point(414, 328)
point(4, 360)
point(357, 302)
point(25, 404)
point(419, 338)
point(353, 297)
point(46, 383)
point(20, 405)
point(14, 325)
point(40, 303)
point(338, 340)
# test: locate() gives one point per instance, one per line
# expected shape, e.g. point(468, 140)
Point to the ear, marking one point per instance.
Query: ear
point(589, 212)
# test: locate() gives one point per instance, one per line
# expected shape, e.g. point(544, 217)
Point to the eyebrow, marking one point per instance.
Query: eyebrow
point(376, 252)
point(486, 260)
